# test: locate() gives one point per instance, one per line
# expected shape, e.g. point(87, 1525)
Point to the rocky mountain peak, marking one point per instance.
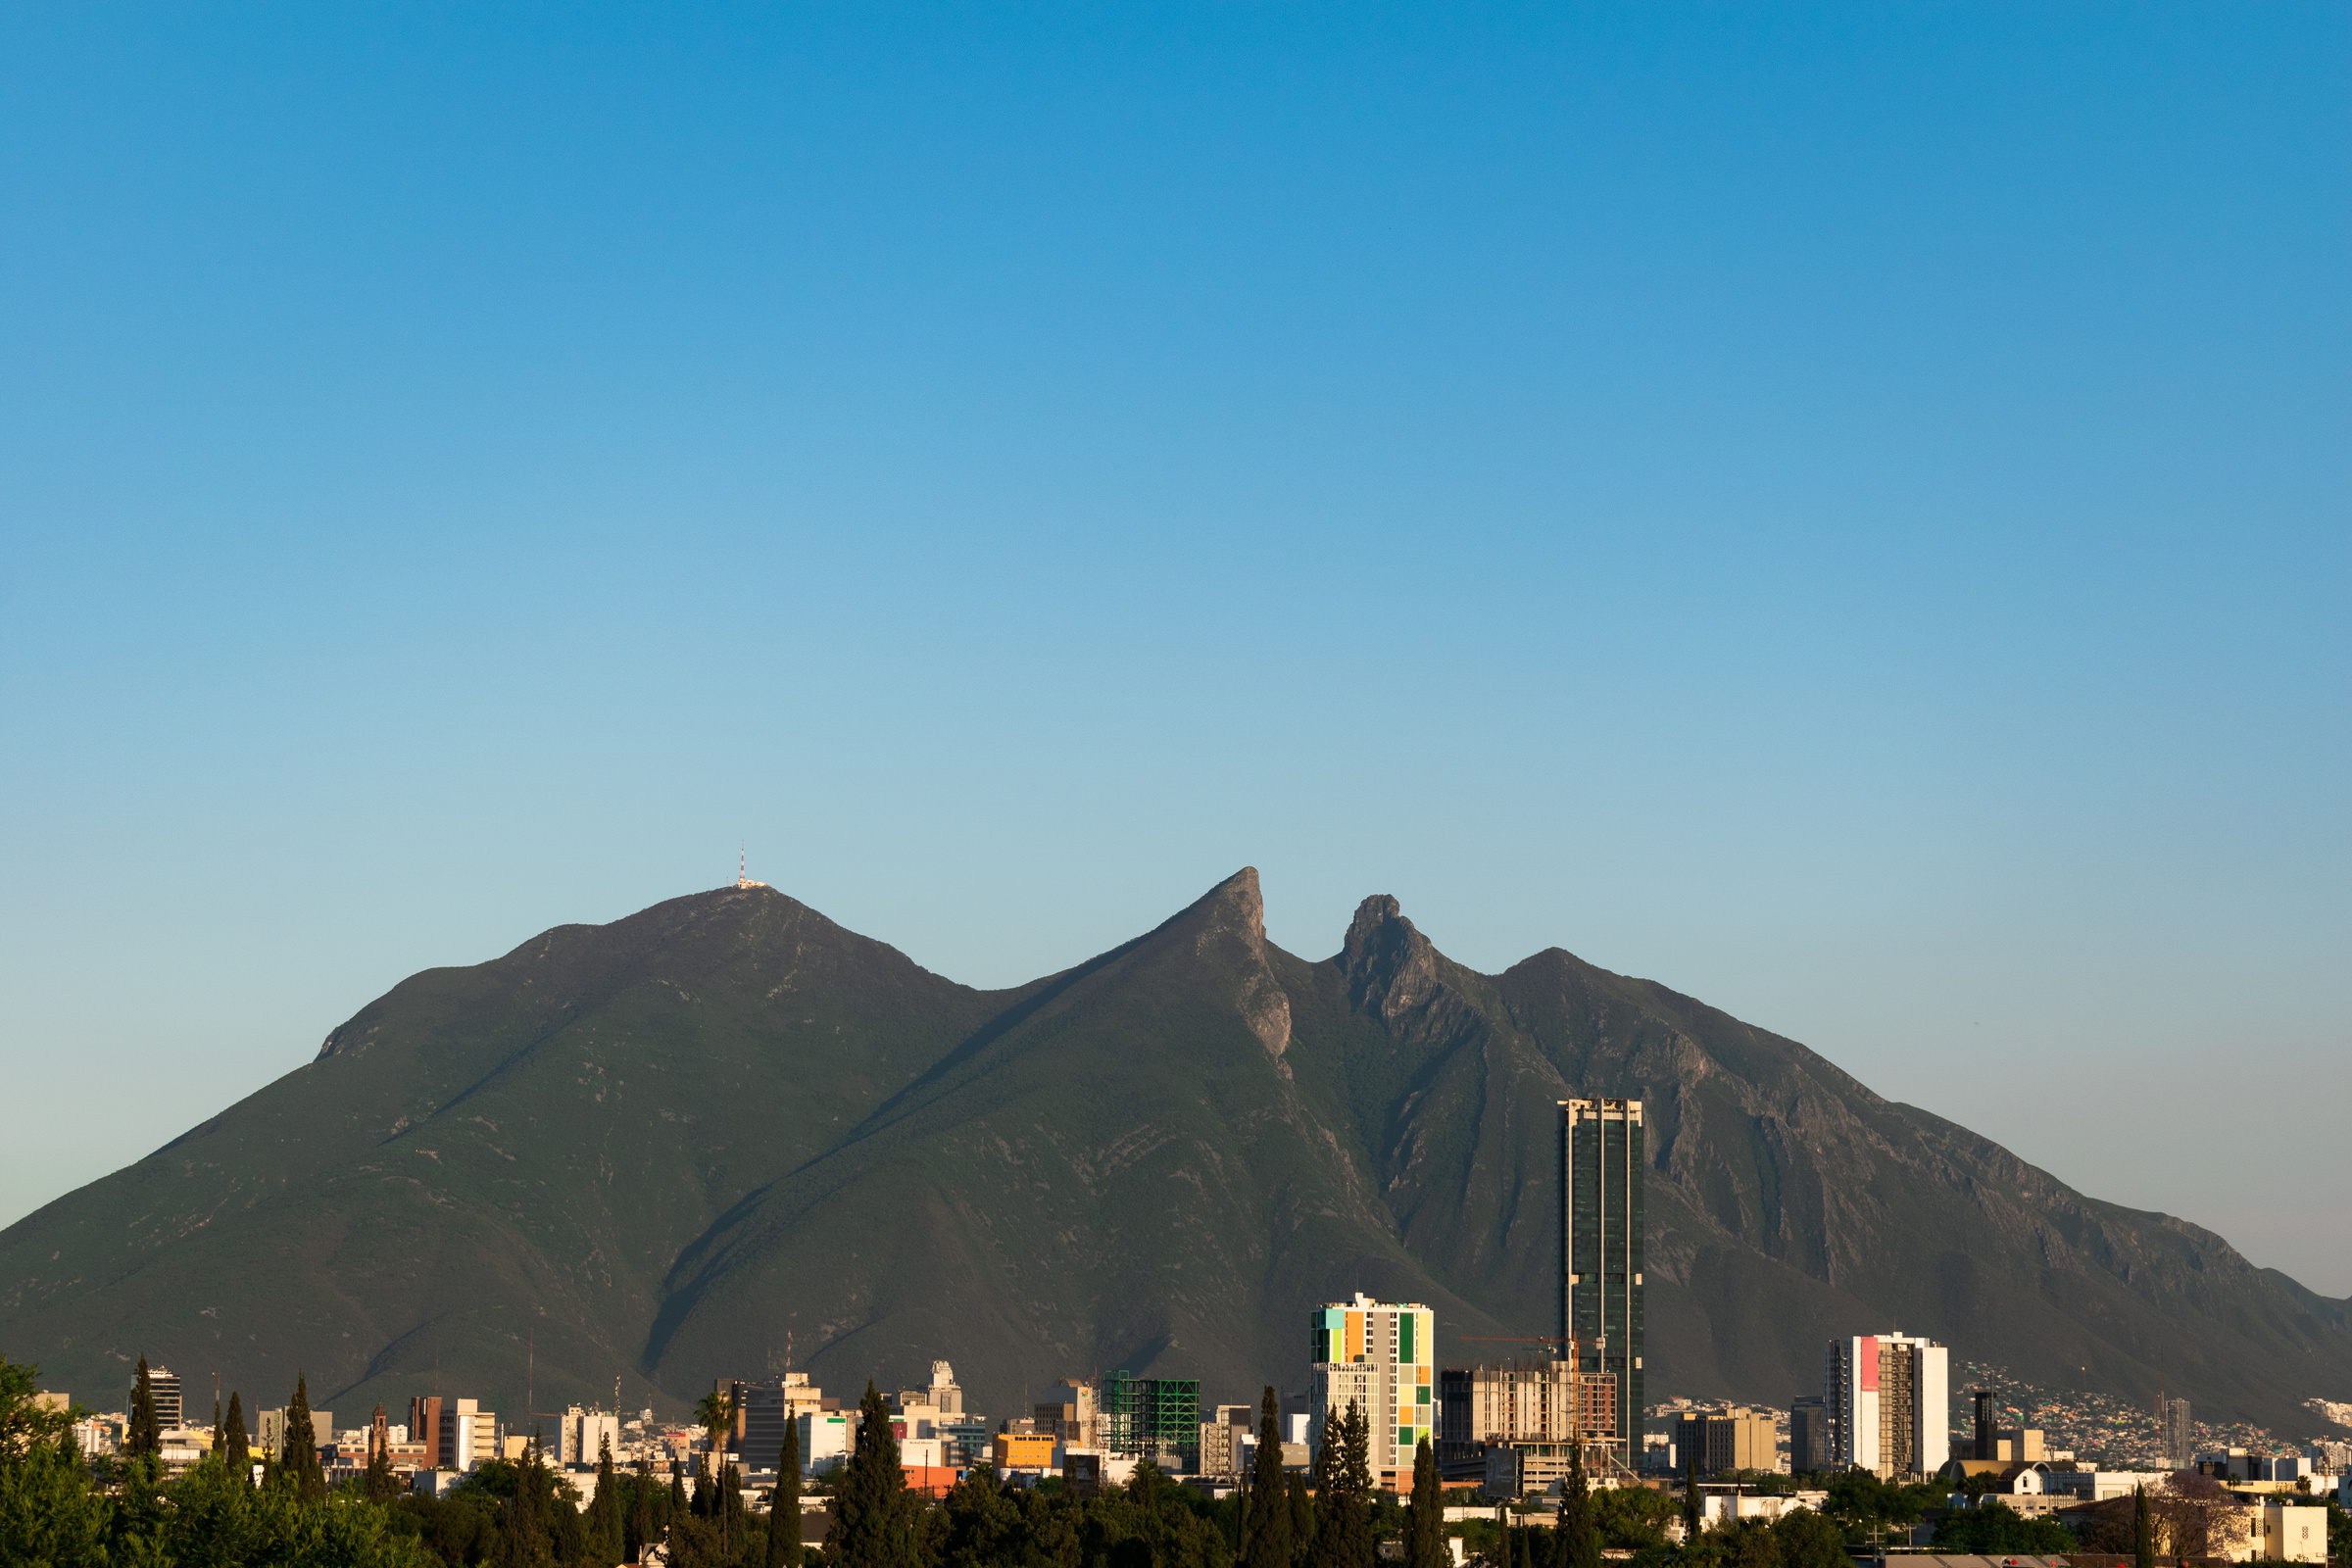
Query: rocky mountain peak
point(1392, 968)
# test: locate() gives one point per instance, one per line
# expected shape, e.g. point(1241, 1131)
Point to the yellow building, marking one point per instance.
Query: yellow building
point(1022, 1450)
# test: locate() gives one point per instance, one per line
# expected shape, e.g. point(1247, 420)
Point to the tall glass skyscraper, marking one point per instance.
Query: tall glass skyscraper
point(1602, 1166)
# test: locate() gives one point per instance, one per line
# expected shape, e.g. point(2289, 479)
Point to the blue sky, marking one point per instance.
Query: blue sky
point(1841, 510)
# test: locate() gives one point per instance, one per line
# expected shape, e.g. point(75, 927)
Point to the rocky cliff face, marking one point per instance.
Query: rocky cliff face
point(657, 1148)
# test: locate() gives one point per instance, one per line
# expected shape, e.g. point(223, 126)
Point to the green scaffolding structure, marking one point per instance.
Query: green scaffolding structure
point(1144, 1418)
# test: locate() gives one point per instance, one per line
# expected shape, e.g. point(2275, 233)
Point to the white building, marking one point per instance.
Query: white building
point(1888, 1403)
point(1383, 1356)
point(2288, 1532)
point(826, 1439)
point(580, 1434)
point(1721, 1507)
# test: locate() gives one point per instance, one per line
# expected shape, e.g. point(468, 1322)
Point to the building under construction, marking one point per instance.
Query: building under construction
point(1150, 1418)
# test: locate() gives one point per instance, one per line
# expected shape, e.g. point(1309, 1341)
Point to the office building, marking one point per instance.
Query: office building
point(163, 1384)
point(763, 1407)
point(1601, 1163)
point(1809, 1433)
point(1381, 1355)
point(1889, 1410)
point(1073, 1411)
point(272, 1436)
point(1150, 1418)
point(2180, 1435)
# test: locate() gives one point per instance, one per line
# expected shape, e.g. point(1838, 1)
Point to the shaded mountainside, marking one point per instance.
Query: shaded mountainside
point(658, 1152)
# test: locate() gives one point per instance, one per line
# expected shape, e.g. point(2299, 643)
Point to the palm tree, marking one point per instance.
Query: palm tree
point(717, 1413)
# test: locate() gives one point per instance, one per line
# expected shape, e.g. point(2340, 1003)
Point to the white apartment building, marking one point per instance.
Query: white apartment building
point(1887, 1404)
point(1380, 1354)
point(581, 1432)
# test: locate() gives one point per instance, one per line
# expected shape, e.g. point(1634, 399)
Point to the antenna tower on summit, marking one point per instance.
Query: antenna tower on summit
point(743, 874)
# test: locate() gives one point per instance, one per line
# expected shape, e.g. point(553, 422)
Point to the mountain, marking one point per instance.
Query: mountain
point(670, 1149)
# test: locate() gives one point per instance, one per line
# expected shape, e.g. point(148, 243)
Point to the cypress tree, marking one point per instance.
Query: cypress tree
point(240, 1453)
point(1424, 1541)
point(1576, 1540)
point(602, 1518)
point(1302, 1522)
point(2143, 1530)
point(218, 1435)
point(1357, 1548)
point(874, 1521)
point(784, 1508)
point(302, 1445)
point(143, 1436)
point(639, 1530)
point(1269, 1517)
point(677, 1488)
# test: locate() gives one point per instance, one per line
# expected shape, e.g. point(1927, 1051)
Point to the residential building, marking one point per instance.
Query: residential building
point(1150, 1418)
point(1711, 1444)
point(2288, 1532)
point(2180, 1435)
point(1379, 1355)
point(1809, 1433)
point(1221, 1439)
point(1887, 1404)
point(1601, 1181)
point(581, 1435)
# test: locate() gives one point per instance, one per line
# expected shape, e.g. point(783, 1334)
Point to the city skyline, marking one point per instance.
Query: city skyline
point(1836, 511)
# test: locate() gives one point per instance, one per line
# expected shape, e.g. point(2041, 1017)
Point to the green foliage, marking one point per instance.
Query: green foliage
point(1343, 1493)
point(144, 1436)
point(1577, 1534)
point(875, 1527)
point(1809, 1540)
point(2143, 1530)
point(784, 1507)
point(1424, 1541)
point(53, 1513)
point(301, 1444)
point(1860, 1500)
point(1993, 1528)
point(23, 1424)
point(1631, 1518)
point(1266, 1543)
point(238, 1454)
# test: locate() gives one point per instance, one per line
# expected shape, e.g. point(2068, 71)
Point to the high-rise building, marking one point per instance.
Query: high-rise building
point(2180, 1435)
point(1809, 1433)
point(164, 1383)
point(1887, 1404)
point(1379, 1354)
point(1145, 1418)
point(1602, 1165)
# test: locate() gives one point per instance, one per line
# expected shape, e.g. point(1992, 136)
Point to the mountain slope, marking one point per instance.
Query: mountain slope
point(661, 1150)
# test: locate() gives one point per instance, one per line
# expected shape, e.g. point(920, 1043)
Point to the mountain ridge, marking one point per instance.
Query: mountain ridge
point(662, 1147)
